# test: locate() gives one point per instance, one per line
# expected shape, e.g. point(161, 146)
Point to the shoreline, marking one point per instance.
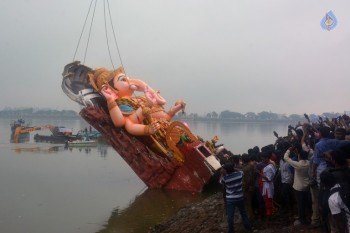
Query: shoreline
point(208, 216)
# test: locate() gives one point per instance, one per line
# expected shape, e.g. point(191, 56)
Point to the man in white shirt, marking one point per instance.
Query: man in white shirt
point(267, 175)
point(339, 210)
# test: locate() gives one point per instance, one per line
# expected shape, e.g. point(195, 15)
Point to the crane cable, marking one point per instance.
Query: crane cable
point(106, 32)
point(90, 29)
point(82, 31)
point(115, 38)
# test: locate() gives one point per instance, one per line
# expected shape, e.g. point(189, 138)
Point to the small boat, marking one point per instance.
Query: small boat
point(91, 134)
point(60, 135)
point(82, 143)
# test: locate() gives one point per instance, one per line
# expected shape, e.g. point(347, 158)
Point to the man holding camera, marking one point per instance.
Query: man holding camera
point(325, 144)
point(301, 181)
point(232, 178)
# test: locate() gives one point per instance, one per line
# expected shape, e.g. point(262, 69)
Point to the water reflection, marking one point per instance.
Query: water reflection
point(83, 187)
point(239, 136)
point(86, 150)
point(148, 209)
point(37, 149)
point(24, 137)
point(102, 149)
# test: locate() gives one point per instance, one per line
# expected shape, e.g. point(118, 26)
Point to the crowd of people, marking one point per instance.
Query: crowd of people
point(305, 173)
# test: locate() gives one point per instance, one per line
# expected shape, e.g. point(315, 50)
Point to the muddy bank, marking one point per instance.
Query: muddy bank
point(208, 216)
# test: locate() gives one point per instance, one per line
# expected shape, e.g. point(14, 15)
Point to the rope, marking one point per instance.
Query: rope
point(109, 51)
point(92, 20)
point(115, 39)
point(81, 34)
point(106, 32)
point(116, 43)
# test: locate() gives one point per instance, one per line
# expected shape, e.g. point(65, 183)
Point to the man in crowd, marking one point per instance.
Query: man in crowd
point(325, 144)
point(267, 175)
point(286, 186)
point(301, 181)
point(340, 133)
point(340, 212)
point(232, 178)
point(248, 184)
point(308, 146)
point(319, 164)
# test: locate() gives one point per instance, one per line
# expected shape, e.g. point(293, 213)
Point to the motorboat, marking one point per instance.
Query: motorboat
point(82, 143)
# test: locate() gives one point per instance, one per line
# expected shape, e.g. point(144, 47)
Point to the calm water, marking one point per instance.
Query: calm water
point(46, 188)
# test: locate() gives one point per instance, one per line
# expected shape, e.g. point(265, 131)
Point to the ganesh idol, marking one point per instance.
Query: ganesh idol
point(140, 115)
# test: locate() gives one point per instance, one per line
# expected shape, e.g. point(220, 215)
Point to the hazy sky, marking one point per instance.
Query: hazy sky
point(237, 55)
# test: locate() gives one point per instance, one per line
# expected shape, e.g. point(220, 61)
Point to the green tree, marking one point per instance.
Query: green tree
point(231, 115)
point(264, 115)
point(296, 117)
point(214, 115)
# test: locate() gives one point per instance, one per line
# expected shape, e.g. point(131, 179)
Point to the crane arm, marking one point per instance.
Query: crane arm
point(19, 131)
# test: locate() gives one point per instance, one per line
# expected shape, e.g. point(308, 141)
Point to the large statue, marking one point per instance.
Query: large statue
point(163, 153)
point(140, 115)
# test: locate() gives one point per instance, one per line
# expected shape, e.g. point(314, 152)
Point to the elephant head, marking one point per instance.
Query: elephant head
point(122, 86)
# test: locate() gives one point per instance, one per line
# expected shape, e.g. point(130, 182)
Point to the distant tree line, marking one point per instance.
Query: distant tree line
point(251, 116)
point(32, 112)
point(213, 116)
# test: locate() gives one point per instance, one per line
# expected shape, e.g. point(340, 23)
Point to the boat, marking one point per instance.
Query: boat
point(178, 160)
point(82, 143)
point(17, 126)
point(60, 135)
point(20, 131)
point(90, 134)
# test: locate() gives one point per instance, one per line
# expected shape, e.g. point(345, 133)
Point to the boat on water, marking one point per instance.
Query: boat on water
point(90, 134)
point(20, 130)
point(82, 143)
point(60, 135)
point(17, 126)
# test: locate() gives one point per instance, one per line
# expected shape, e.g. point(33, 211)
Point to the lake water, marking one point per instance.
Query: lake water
point(47, 188)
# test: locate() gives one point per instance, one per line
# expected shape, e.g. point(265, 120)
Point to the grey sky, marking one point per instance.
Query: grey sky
point(237, 55)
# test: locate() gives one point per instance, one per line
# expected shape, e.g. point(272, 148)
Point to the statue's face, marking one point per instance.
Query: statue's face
point(122, 86)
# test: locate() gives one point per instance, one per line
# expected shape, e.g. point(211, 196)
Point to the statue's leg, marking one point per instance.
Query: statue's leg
point(134, 124)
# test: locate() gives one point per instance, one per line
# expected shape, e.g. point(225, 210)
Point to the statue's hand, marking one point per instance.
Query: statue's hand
point(182, 104)
point(153, 96)
point(153, 127)
point(150, 95)
point(109, 94)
